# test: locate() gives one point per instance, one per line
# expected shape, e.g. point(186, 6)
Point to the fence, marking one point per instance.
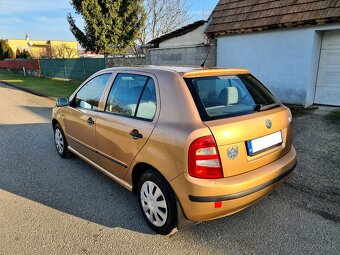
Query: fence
point(71, 68)
point(82, 68)
point(31, 66)
point(74, 69)
point(125, 60)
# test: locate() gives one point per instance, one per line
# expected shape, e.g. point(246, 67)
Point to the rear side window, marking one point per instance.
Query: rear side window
point(89, 95)
point(132, 95)
point(222, 96)
point(147, 105)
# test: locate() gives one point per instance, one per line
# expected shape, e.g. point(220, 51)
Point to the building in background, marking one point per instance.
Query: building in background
point(39, 48)
point(90, 54)
point(293, 46)
point(189, 35)
point(187, 45)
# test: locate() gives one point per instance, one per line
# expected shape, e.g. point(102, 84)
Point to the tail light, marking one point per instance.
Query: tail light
point(204, 159)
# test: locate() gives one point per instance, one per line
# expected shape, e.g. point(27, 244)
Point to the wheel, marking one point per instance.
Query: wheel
point(157, 202)
point(60, 142)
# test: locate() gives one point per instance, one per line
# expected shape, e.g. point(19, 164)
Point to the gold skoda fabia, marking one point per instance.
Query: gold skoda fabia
point(193, 144)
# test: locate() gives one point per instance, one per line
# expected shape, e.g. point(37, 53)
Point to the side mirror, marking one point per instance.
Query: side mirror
point(63, 101)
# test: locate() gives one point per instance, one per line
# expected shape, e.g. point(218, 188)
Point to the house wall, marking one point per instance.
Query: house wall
point(186, 55)
point(39, 47)
point(285, 60)
point(13, 45)
point(194, 37)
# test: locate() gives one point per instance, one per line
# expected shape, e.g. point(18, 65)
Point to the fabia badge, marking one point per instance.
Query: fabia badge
point(268, 123)
point(232, 152)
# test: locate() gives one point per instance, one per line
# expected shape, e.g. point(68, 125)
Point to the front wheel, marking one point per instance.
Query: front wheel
point(60, 142)
point(157, 202)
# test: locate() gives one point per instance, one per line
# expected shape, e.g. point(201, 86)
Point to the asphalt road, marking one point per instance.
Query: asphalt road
point(49, 205)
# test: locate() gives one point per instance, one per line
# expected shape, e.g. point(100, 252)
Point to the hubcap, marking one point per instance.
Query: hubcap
point(59, 141)
point(153, 203)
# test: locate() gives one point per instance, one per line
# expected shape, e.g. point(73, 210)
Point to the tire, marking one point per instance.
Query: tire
point(60, 142)
point(157, 202)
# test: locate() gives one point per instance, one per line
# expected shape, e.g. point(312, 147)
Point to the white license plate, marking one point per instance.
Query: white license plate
point(263, 143)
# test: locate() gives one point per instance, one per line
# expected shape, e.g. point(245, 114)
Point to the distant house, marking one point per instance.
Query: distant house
point(189, 35)
point(40, 48)
point(187, 45)
point(128, 52)
point(292, 46)
point(90, 54)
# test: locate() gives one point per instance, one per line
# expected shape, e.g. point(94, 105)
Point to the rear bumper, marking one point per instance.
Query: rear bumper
point(198, 196)
point(242, 193)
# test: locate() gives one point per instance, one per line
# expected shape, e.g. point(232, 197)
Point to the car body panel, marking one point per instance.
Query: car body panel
point(117, 148)
point(178, 125)
point(233, 132)
point(197, 211)
point(76, 119)
point(79, 134)
point(168, 136)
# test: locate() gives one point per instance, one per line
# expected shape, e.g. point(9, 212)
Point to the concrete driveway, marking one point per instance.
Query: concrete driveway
point(53, 206)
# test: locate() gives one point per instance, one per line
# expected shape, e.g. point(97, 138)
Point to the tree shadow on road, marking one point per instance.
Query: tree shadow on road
point(30, 167)
point(44, 112)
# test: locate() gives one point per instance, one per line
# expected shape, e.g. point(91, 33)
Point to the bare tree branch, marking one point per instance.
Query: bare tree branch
point(163, 16)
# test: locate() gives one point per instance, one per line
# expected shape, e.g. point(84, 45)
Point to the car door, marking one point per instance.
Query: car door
point(127, 121)
point(81, 116)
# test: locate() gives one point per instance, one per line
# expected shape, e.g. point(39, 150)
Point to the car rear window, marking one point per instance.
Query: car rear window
point(219, 97)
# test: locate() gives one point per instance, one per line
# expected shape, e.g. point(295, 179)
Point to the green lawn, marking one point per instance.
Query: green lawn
point(40, 86)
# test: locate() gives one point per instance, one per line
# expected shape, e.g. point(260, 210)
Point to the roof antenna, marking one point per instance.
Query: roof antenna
point(206, 58)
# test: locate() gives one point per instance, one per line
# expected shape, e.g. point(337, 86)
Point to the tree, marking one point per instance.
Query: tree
point(4, 50)
point(65, 51)
point(62, 50)
point(23, 54)
point(110, 25)
point(162, 17)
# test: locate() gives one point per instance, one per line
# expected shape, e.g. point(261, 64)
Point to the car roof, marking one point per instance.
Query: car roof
point(186, 71)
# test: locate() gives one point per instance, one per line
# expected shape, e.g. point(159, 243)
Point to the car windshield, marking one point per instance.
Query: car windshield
point(231, 95)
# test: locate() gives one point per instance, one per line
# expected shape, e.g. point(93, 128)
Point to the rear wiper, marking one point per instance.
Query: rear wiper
point(264, 107)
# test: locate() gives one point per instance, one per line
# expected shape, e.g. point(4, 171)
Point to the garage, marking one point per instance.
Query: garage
point(328, 80)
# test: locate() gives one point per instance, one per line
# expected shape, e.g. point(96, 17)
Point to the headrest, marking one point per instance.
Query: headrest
point(232, 93)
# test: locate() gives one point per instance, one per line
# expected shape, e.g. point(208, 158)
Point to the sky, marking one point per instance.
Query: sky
point(46, 19)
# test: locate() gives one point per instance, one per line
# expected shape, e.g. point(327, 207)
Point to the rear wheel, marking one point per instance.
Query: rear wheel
point(60, 142)
point(157, 202)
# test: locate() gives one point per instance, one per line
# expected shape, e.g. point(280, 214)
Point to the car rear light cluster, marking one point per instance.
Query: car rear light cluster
point(204, 159)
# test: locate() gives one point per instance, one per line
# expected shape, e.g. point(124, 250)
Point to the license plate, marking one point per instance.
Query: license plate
point(263, 143)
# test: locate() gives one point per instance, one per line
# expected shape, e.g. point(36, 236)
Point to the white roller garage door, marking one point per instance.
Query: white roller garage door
point(328, 82)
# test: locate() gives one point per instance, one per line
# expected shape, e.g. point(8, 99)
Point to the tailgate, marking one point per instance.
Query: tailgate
point(250, 141)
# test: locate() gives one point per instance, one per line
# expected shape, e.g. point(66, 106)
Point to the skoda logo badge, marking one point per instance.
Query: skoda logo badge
point(232, 152)
point(268, 124)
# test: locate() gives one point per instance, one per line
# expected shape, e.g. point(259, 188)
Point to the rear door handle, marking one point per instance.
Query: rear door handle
point(135, 134)
point(90, 121)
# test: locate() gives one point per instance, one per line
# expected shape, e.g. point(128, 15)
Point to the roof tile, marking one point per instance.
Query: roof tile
point(237, 16)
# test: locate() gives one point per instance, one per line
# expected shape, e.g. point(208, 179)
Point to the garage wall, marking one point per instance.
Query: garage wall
point(285, 60)
point(183, 55)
